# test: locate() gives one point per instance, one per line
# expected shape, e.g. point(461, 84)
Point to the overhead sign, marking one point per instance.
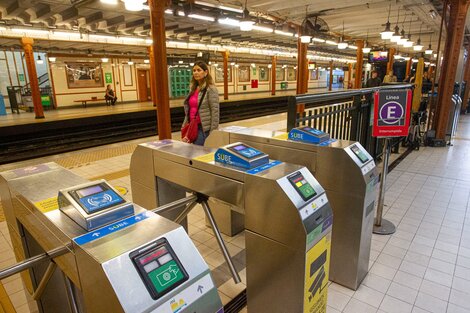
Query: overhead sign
point(392, 110)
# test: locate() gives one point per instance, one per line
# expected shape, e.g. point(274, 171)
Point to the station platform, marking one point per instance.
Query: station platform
point(423, 267)
point(77, 111)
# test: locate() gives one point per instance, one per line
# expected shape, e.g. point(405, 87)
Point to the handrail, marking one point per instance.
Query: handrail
point(336, 95)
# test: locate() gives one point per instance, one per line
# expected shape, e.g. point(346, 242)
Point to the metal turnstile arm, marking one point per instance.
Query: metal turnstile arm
point(28, 263)
point(221, 242)
point(175, 204)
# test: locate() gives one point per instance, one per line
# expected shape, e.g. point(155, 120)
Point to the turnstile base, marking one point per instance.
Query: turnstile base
point(387, 228)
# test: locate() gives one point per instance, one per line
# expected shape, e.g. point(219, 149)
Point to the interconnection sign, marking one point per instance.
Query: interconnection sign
point(391, 113)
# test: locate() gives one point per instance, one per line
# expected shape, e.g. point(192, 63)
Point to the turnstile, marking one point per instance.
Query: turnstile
point(132, 260)
point(343, 168)
point(287, 216)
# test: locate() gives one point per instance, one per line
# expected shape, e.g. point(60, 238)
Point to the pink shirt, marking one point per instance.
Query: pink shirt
point(193, 104)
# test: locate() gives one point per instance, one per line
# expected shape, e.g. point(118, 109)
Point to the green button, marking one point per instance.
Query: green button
point(166, 276)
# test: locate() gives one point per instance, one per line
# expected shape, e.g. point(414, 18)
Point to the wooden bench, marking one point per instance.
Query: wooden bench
point(84, 101)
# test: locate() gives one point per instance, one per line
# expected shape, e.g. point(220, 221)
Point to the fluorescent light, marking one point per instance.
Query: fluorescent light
point(52, 59)
point(246, 25)
point(435, 55)
point(205, 4)
point(180, 62)
point(104, 60)
point(191, 64)
point(66, 34)
point(305, 39)
point(342, 45)
point(39, 60)
point(427, 63)
point(366, 50)
point(428, 51)
point(168, 11)
point(318, 39)
point(130, 62)
point(418, 48)
point(146, 61)
point(408, 44)
point(383, 53)
point(2, 28)
point(414, 60)
point(202, 17)
point(253, 65)
point(280, 32)
point(232, 63)
point(181, 13)
point(109, 1)
point(270, 65)
point(149, 41)
point(352, 47)
point(30, 31)
point(229, 21)
point(331, 42)
point(226, 8)
point(263, 29)
point(134, 5)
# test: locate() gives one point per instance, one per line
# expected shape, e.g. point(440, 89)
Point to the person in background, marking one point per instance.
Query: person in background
point(427, 83)
point(110, 95)
point(203, 95)
point(390, 78)
point(374, 80)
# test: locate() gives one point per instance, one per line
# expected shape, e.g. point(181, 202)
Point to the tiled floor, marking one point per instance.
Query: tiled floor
point(423, 267)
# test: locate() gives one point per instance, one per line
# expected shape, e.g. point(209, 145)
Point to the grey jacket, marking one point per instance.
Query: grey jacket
point(209, 109)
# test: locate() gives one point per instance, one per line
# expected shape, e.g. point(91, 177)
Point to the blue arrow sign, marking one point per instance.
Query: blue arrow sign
point(112, 228)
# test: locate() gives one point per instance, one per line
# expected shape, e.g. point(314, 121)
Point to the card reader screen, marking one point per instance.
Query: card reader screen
point(89, 190)
point(312, 130)
point(360, 155)
point(159, 267)
point(96, 198)
point(302, 186)
point(247, 152)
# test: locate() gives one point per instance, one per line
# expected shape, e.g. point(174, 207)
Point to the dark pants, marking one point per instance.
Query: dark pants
point(201, 136)
point(112, 100)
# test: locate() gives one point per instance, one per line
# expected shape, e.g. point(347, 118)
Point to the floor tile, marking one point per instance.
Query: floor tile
point(430, 303)
point(393, 305)
point(355, 306)
point(369, 296)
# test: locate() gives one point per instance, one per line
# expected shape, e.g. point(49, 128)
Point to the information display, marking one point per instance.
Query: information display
point(247, 152)
point(359, 153)
point(96, 198)
point(300, 184)
point(159, 268)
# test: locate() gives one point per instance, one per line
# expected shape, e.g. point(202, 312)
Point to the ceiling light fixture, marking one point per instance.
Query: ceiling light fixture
point(396, 35)
point(130, 62)
point(304, 31)
point(318, 39)
point(246, 24)
point(109, 1)
point(418, 46)
point(366, 49)
point(263, 29)
point(387, 33)
point(39, 60)
point(52, 59)
point(280, 32)
point(429, 49)
point(104, 60)
point(134, 5)
point(342, 44)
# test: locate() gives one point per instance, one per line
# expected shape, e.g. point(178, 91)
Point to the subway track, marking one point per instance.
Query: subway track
point(21, 142)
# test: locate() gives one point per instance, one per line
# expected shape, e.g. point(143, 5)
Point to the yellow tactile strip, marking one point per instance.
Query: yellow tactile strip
point(113, 175)
point(5, 303)
point(81, 159)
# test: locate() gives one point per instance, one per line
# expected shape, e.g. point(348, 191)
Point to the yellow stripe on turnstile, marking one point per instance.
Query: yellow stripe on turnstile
point(207, 158)
point(5, 303)
point(51, 204)
point(283, 136)
point(47, 205)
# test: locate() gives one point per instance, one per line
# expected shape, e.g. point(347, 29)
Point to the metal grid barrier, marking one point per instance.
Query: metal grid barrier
point(345, 115)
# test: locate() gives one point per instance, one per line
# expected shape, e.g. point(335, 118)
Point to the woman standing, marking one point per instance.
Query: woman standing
point(202, 103)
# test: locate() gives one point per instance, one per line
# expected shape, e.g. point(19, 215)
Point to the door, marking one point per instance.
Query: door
point(142, 83)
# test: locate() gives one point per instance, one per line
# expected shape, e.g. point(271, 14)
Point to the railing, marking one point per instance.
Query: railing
point(345, 115)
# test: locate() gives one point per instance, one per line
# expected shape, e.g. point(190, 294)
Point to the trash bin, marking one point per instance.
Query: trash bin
point(3, 110)
point(13, 92)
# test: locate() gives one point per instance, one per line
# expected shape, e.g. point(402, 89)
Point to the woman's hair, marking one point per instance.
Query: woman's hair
point(207, 80)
